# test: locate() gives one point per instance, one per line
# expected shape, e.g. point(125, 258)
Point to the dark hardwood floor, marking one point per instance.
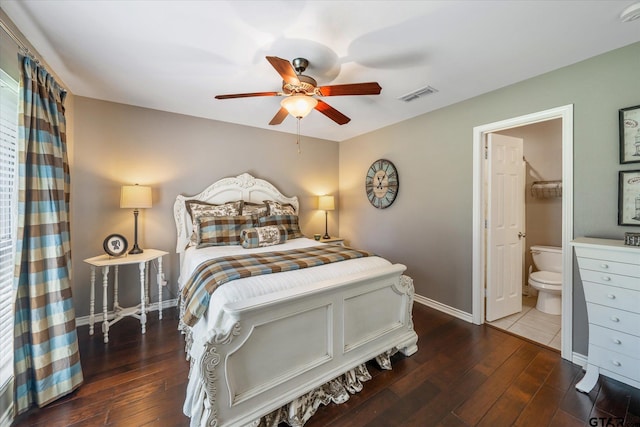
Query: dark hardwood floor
point(462, 375)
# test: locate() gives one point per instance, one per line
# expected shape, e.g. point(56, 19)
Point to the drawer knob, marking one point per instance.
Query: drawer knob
point(616, 363)
point(606, 278)
point(604, 265)
point(611, 296)
point(617, 341)
point(615, 319)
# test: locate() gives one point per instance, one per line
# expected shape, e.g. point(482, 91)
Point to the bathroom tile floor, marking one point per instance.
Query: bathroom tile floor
point(532, 324)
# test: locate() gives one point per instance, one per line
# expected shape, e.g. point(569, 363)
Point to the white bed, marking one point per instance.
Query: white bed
point(266, 341)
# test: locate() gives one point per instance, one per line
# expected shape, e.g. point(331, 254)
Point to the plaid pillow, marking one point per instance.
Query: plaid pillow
point(221, 230)
point(198, 209)
point(290, 223)
point(257, 237)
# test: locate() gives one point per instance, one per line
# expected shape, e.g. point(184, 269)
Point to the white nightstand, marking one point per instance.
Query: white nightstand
point(333, 241)
point(139, 311)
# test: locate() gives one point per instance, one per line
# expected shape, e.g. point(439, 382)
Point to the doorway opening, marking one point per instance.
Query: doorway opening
point(480, 134)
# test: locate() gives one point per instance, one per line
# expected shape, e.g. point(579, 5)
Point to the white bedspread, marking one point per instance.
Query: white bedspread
point(242, 289)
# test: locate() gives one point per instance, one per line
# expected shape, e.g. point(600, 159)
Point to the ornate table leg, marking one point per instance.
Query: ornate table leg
point(116, 304)
point(143, 310)
point(146, 284)
point(92, 300)
point(105, 285)
point(160, 278)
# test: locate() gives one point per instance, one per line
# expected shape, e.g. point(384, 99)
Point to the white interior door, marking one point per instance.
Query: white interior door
point(505, 228)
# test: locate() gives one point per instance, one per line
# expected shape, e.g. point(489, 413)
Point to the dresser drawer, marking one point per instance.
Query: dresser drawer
point(609, 267)
point(611, 296)
point(623, 254)
point(614, 340)
point(612, 318)
point(620, 364)
point(611, 279)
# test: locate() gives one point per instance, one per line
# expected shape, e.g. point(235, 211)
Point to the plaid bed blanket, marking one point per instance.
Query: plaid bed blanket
point(212, 273)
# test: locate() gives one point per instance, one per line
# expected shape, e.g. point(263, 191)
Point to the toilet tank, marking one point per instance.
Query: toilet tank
point(547, 258)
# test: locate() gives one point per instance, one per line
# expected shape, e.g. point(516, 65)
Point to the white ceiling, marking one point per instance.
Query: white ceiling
point(177, 55)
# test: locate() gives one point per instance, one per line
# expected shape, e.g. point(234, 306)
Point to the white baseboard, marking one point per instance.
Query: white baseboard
point(467, 317)
point(579, 359)
point(84, 320)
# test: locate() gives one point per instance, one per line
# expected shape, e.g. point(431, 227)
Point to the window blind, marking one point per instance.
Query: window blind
point(8, 217)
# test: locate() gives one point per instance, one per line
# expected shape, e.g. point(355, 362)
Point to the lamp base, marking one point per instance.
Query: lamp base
point(135, 250)
point(326, 225)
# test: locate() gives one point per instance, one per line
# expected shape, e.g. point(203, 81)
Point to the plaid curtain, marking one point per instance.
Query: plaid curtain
point(46, 358)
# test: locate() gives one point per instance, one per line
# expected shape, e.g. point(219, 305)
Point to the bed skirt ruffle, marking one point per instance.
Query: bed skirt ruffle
point(338, 390)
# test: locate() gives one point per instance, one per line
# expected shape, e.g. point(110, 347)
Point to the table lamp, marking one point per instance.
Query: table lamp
point(135, 197)
point(326, 204)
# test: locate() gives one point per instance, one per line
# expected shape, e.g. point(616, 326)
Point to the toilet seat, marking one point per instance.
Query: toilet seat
point(547, 278)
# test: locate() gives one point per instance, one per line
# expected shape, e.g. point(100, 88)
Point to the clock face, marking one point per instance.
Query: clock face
point(381, 183)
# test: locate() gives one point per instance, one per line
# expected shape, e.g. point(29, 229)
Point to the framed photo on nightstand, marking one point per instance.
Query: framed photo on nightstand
point(115, 245)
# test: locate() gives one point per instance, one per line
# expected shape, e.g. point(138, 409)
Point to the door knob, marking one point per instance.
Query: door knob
point(521, 235)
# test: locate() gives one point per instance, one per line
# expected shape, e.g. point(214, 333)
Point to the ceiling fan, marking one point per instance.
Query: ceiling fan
point(300, 91)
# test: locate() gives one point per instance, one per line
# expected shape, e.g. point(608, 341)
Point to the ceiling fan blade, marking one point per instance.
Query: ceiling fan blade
point(279, 117)
point(332, 113)
point(285, 69)
point(371, 88)
point(247, 95)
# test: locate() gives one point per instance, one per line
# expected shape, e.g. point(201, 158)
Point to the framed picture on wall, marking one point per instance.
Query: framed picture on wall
point(629, 134)
point(629, 198)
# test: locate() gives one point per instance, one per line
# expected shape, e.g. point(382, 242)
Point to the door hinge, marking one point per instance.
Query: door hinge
point(486, 224)
point(486, 152)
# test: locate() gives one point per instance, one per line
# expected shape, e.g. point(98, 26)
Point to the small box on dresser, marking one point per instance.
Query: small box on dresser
point(610, 273)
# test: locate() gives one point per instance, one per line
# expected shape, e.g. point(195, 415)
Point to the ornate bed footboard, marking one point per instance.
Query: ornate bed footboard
point(286, 344)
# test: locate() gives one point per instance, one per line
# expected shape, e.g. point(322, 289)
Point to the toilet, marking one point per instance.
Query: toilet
point(548, 279)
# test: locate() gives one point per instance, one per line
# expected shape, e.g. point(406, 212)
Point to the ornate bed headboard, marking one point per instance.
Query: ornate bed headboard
point(242, 187)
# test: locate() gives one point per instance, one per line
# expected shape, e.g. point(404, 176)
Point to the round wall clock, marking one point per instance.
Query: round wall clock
point(381, 183)
point(115, 245)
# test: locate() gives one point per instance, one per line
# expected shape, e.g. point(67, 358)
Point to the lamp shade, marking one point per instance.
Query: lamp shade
point(135, 197)
point(326, 203)
point(299, 104)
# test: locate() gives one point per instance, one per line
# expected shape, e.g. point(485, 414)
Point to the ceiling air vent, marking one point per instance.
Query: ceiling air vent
point(427, 90)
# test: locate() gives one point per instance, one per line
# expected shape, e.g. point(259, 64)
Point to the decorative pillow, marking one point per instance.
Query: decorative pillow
point(254, 209)
point(276, 208)
point(290, 223)
point(221, 230)
point(257, 237)
point(198, 209)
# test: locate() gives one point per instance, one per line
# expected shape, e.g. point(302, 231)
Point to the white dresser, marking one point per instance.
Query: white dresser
point(610, 273)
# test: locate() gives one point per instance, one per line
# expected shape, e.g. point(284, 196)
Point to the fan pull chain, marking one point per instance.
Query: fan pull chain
point(298, 139)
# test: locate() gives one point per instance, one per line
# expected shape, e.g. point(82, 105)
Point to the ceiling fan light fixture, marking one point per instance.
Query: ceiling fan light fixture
point(631, 13)
point(299, 105)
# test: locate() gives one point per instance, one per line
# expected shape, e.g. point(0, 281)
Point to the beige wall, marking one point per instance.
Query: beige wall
point(116, 144)
point(429, 226)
